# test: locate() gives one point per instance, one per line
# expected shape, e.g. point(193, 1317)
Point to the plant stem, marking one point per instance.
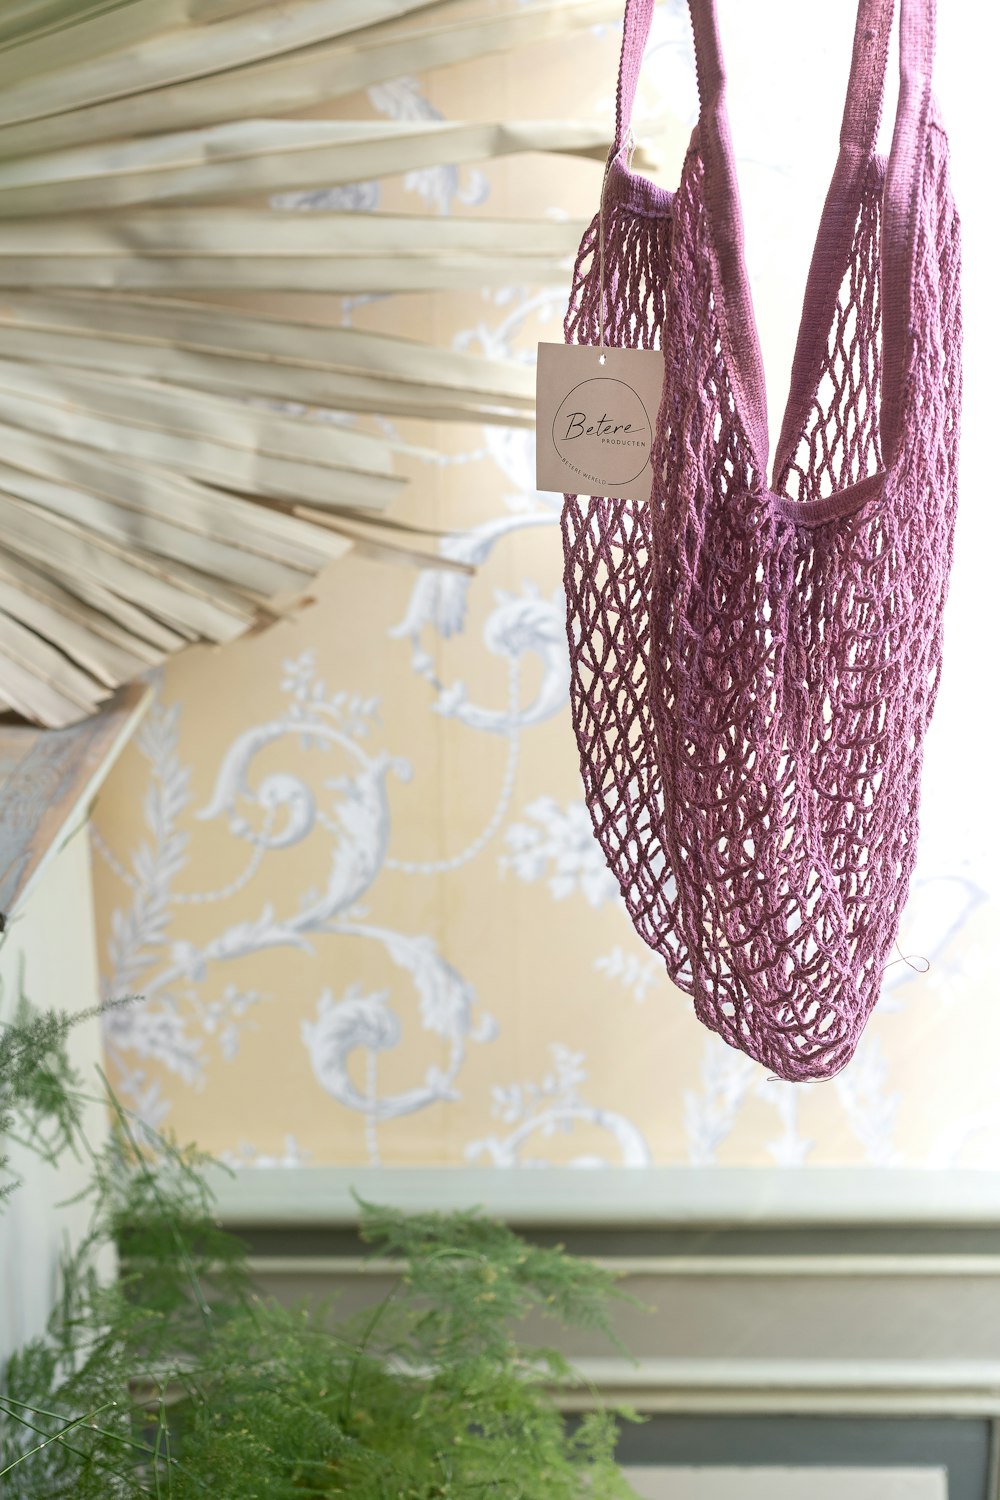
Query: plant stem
point(150, 1178)
point(56, 1437)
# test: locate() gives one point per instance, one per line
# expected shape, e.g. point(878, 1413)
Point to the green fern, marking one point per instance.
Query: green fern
point(39, 1089)
point(177, 1380)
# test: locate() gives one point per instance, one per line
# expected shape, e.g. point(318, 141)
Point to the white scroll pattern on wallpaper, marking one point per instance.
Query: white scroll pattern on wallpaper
point(148, 951)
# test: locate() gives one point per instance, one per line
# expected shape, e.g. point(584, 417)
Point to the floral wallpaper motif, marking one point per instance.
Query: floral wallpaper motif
point(347, 864)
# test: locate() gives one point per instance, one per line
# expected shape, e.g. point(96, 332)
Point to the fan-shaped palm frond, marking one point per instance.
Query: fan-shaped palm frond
point(166, 471)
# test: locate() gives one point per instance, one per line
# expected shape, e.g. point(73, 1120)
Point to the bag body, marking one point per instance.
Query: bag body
point(754, 663)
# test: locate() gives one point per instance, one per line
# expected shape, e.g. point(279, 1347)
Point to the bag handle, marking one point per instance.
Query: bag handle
point(862, 114)
point(906, 158)
point(737, 324)
point(635, 35)
point(869, 62)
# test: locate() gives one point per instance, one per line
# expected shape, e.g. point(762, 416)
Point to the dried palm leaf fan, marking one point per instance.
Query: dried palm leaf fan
point(159, 483)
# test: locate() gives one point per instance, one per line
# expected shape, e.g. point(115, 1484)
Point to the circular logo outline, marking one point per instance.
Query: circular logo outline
point(614, 380)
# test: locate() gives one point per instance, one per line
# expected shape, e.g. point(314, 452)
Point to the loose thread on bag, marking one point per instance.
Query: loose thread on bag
point(915, 961)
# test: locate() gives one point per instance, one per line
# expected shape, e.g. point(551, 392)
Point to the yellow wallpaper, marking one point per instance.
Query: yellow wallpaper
point(346, 862)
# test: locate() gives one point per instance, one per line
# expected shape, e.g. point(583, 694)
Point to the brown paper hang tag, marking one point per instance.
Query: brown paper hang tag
point(595, 413)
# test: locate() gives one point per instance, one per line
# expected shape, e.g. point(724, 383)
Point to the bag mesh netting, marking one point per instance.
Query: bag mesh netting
point(754, 664)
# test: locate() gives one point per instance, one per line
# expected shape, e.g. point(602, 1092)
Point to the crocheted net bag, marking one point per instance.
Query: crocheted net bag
point(754, 664)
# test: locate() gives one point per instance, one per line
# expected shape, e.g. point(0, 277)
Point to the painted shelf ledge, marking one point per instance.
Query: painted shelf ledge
point(618, 1197)
point(799, 1387)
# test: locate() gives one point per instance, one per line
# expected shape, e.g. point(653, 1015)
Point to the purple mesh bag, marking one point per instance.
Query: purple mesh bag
point(754, 664)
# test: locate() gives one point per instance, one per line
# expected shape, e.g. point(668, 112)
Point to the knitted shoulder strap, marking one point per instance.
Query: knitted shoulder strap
point(737, 324)
point(906, 161)
point(862, 113)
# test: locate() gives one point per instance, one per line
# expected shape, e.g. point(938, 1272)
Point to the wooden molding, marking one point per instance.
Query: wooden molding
point(796, 1386)
point(683, 1267)
point(52, 779)
point(653, 1197)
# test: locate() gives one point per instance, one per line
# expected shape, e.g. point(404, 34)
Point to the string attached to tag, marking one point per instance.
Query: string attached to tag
point(600, 252)
point(612, 154)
